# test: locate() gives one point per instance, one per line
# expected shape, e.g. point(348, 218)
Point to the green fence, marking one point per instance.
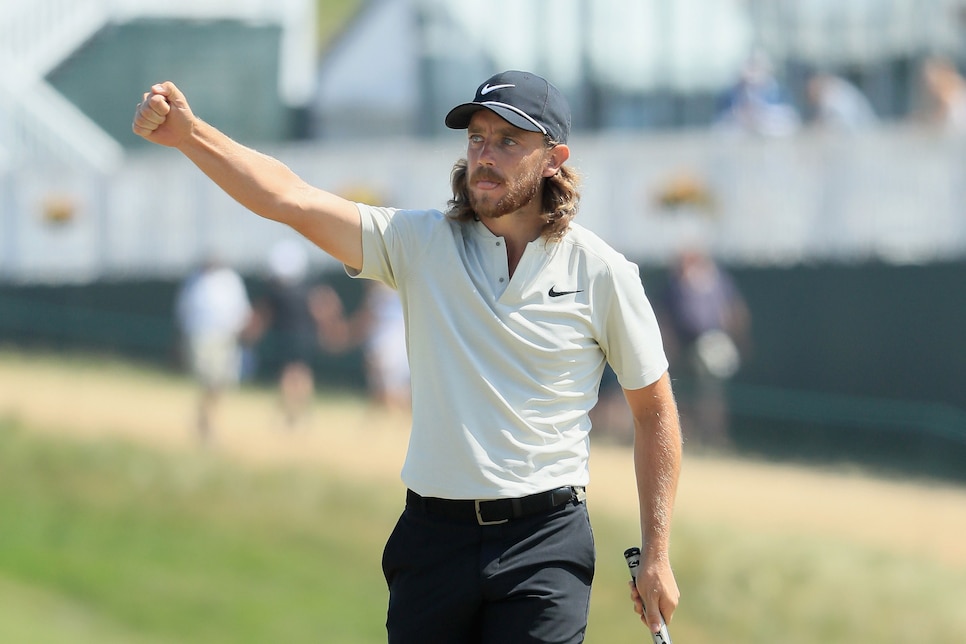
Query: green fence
point(136, 320)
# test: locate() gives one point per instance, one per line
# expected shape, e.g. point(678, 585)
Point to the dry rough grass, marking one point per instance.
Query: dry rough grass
point(85, 401)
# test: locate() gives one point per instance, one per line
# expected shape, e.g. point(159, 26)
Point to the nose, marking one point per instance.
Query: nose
point(485, 156)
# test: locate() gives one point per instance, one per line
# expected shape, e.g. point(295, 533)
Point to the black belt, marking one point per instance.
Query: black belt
point(495, 511)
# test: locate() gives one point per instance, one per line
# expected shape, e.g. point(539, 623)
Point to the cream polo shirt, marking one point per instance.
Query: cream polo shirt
point(505, 371)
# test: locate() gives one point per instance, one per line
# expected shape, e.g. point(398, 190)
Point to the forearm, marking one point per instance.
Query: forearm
point(259, 182)
point(657, 465)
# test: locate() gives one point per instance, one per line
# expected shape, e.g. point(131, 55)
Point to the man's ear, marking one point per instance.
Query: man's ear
point(556, 158)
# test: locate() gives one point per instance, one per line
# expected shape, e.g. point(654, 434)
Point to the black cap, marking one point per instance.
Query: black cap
point(522, 99)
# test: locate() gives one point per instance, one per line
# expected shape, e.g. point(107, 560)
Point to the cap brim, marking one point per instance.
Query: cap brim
point(459, 117)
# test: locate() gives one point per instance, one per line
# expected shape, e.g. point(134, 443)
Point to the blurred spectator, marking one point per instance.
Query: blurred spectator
point(284, 311)
point(611, 416)
point(706, 326)
point(944, 95)
point(757, 104)
point(838, 105)
point(378, 325)
point(212, 310)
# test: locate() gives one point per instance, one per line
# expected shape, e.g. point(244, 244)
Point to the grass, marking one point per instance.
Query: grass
point(189, 548)
point(105, 541)
point(799, 591)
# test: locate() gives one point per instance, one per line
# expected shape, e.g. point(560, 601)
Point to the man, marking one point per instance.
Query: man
point(706, 332)
point(379, 326)
point(284, 311)
point(511, 312)
point(212, 310)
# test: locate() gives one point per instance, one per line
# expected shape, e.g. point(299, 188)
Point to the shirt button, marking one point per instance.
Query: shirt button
point(502, 280)
point(498, 243)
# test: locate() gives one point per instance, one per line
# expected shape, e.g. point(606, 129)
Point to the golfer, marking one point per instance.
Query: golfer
point(512, 311)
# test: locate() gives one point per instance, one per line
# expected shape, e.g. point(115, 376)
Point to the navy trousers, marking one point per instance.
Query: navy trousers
point(457, 582)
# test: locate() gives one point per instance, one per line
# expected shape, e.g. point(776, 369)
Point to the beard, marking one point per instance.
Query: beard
point(520, 191)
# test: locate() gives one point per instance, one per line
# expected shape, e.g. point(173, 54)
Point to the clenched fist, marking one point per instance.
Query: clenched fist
point(163, 116)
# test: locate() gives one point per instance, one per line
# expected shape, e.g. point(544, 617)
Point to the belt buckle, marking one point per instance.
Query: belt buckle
point(481, 521)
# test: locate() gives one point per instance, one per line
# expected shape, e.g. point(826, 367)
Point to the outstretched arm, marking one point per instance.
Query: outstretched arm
point(657, 462)
point(261, 183)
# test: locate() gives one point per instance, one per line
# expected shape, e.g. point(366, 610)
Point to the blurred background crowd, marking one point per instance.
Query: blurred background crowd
point(790, 177)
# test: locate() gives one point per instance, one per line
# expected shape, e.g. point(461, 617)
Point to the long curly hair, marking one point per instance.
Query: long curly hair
point(560, 198)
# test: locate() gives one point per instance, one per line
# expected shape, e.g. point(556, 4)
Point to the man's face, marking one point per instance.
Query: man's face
point(505, 165)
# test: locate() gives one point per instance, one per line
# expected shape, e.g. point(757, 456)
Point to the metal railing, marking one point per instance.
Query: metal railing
point(40, 125)
point(46, 127)
point(36, 35)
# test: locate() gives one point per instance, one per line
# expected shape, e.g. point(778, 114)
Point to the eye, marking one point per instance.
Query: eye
point(475, 138)
point(507, 141)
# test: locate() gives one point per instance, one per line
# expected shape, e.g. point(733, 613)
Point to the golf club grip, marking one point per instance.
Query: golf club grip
point(633, 558)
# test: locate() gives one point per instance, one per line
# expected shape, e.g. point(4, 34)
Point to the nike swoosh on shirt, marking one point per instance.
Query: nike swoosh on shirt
point(555, 293)
point(489, 88)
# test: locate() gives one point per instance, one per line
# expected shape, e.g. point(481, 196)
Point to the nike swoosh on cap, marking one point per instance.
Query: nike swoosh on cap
point(486, 89)
point(553, 292)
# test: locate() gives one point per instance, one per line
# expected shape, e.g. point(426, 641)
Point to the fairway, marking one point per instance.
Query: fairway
point(764, 552)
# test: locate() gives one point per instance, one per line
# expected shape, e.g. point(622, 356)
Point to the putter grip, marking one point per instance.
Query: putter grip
point(633, 558)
